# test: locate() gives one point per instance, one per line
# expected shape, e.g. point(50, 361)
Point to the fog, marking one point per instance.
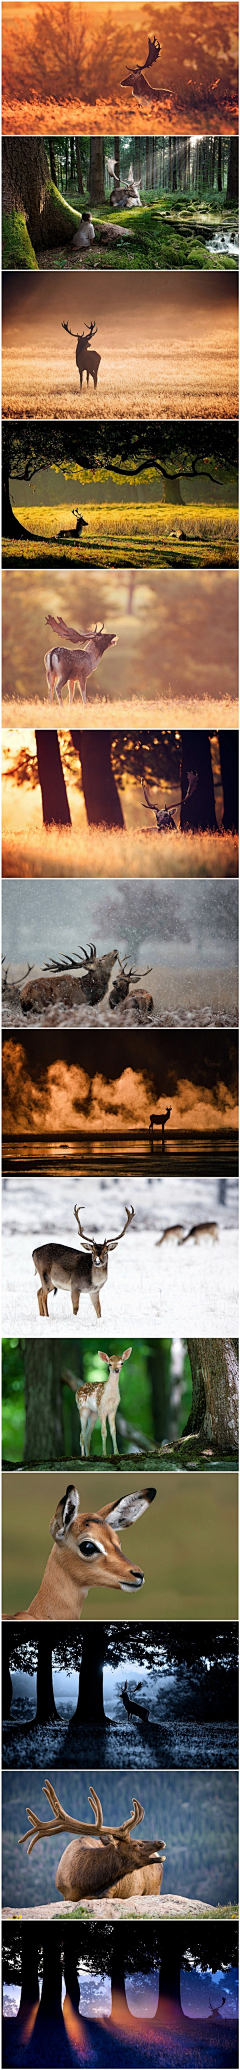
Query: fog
point(189, 925)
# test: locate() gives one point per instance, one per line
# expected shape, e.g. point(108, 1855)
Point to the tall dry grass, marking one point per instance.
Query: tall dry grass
point(90, 852)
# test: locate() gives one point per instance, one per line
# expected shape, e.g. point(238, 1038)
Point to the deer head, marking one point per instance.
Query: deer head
point(101, 1855)
point(110, 1243)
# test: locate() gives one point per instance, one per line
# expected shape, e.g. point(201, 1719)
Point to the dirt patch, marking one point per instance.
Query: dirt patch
point(113, 1908)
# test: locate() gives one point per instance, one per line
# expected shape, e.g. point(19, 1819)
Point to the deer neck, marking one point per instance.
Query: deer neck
point(60, 1595)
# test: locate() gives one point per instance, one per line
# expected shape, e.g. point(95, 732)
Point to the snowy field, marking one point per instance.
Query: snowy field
point(193, 1291)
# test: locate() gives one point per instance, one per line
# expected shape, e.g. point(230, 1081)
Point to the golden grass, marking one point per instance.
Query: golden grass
point(205, 115)
point(90, 852)
point(100, 713)
point(177, 381)
point(134, 534)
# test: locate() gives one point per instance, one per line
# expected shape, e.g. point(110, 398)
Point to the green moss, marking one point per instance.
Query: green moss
point(58, 221)
point(17, 247)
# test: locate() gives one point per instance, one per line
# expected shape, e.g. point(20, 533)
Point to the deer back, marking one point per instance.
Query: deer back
point(87, 1868)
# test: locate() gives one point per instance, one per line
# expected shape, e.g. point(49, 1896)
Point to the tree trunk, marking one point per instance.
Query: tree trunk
point(52, 160)
point(118, 1974)
point(200, 808)
point(46, 1707)
point(29, 1979)
point(172, 491)
point(90, 1705)
point(44, 1437)
point(10, 524)
point(54, 796)
point(219, 165)
point(96, 179)
point(79, 167)
point(229, 774)
point(232, 177)
point(169, 2012)
point(6, 1677)
point(34, 213)
point(174, 165)
point(50, 2030)
point(214, 1412)
point(100, 790)
point(70, 1973)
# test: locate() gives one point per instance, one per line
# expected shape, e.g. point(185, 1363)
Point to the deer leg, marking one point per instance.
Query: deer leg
point(94, 1297)
point(95, 380)
point(71, 688)
point(75, 1295)
point(42, 1301)
point(103, 1422)
point(57, 687)
point(112, 1428)
point(87, 372)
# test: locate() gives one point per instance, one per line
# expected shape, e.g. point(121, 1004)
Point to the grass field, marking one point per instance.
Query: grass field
point(189, 380)
point(123, 534)
point(202, 113)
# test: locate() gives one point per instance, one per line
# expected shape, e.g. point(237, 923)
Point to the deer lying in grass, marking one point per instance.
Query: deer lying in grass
point(102, 1861)
point(85, 1554)
point(79, 1271)
point(64, 668)
point(165, 815)
point(71, 980)
point(101, 1400)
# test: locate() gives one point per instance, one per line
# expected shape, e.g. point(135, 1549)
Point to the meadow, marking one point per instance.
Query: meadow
point(200, 112)
point(122, 534)
point(191, 380)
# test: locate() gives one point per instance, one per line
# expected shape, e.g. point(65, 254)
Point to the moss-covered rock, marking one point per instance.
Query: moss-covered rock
point(16, 243)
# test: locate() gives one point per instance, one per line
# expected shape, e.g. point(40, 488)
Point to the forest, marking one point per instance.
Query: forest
point(183, 1530)
point(196, 1813)
point(169, 1391)
point(152, 201)
point(168, 498)
point(68, 1694)
point(73, 803)
point(86, 1990)
point(73, 72)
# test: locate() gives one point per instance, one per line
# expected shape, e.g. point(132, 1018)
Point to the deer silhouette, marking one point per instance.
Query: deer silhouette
point(87, 362)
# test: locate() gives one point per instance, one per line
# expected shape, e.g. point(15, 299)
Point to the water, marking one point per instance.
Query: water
point(225, 241)
point(189, 1151)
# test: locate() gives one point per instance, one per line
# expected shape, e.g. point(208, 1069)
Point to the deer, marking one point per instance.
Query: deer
point(101, 1400)
point(135, 78)
point(159, 1121)
point(165, 815)
point(133, 1709)
point(87, 362)
point(64, 668)
point(71, 980)
point(80, 1271)
point(122, 982)
point(85, 1554)
point(200, 1231)
point(81, 524)
point(102, 1861)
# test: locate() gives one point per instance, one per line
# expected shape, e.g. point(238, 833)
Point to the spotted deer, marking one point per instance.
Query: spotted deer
point(102, 1860)
point(101, 1400)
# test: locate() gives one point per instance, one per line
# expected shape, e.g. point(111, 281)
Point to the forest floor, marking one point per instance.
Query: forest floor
point(203, 112)
point(197, 2043)
point(29, 850)
point(127, 535)
point(169, 1907)
point(183, 380)
point(188, 1457)
point(181, 1743)
point(167, 232)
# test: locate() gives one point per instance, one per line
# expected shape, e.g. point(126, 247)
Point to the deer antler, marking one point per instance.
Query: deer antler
point(58, 626)
point(192, 777)
point(71, 334)
point(148, 802)
point(61, 1823)
point(86, 1239)
point(113, 1240)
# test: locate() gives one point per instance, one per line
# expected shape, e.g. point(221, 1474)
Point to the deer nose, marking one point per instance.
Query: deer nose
point(138, 1576)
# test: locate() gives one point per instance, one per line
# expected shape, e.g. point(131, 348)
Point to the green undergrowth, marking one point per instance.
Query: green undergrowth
point(17, 250)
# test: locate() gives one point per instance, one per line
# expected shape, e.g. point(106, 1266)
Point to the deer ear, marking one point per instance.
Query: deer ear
point(126, 1354)
point(103, 1354)
point(128, 1508)
point(65, 1513)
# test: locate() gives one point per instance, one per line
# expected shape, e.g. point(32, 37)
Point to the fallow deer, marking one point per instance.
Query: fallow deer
point(64, 667)
point(165, 815)
point(85, 1554)
point(101, 1400)
point(78, 1271)
point(102, 1861)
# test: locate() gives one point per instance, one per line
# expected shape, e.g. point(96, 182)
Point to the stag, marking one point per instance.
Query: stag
point(133, 1709)
point(64, 668)
point(87, 362)
point(121, 986)
point(165, 816)
point(102, 1861)
point(70, 981)
point(135, 77)
point(80, 1271)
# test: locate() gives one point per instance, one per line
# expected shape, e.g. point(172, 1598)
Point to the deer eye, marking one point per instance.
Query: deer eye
point(90, 1548)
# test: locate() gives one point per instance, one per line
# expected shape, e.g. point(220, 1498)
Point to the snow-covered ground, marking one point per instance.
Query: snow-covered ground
point(163, 1291)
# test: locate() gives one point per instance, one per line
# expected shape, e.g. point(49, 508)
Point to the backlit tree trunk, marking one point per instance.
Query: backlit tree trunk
point(46, 1707)
point(54, 795)
point(10, 524)
point(169, 2012)
point(200, 808)
point(50, 2031)
point(44, 1438)
point(214, 1412)
point(118, 1974)
point(100, 790)
point(90, 1705)
point(29, 1982)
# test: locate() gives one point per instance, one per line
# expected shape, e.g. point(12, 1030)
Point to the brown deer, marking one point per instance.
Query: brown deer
point(64, 668)
point(71, 981)
point(101, 1400)
point(121, 986)
point(87, 362)
point(165, 815)
point(201, 1231)
point(158, 1121)
point(103, 1860)
point(86, 1553)
point(80, 1271)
